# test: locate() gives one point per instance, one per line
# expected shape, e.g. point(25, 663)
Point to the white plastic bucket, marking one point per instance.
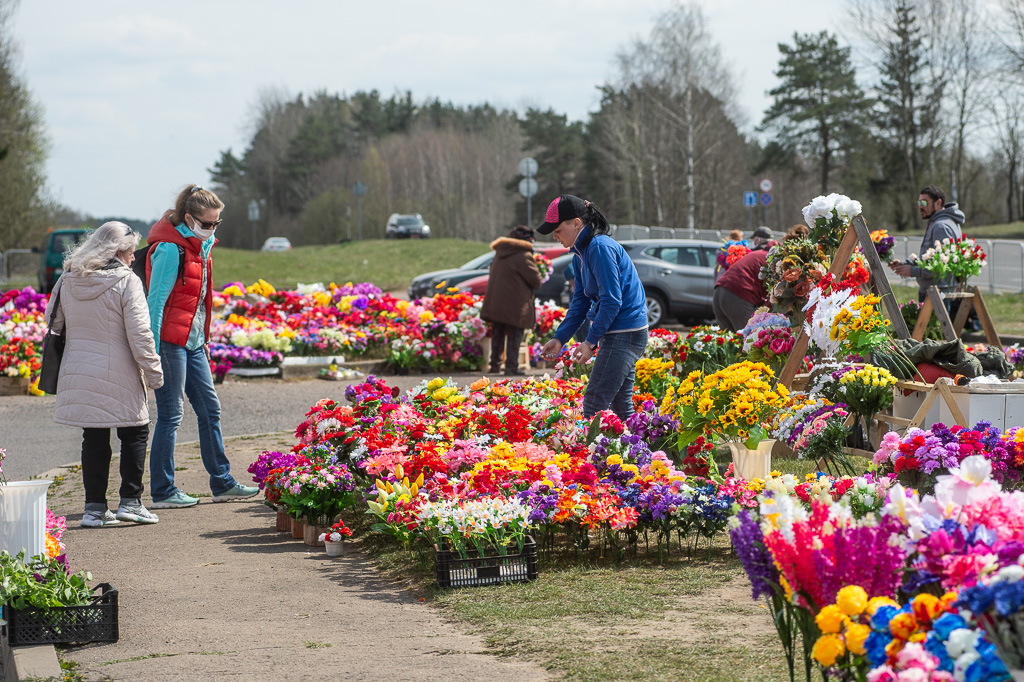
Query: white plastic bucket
point(23, 517)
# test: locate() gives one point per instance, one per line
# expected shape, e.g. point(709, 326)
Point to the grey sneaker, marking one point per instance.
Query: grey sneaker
point(98, 519)
point(178, 500)
point(136, 513)
point(239, 492)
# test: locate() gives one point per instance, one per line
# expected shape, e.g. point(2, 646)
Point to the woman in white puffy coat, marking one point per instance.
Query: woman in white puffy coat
point(109, 358)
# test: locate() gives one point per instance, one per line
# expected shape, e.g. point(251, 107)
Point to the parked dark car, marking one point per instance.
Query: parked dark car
point(406, 226)
point(56, 244)
point(678, 277)
point(427, 284)
point(551, 290)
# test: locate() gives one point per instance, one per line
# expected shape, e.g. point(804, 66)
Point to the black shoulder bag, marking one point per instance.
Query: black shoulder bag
point(53, 352)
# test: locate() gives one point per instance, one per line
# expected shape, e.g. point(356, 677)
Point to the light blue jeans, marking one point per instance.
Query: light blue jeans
point(186, 373)
point(611, 380)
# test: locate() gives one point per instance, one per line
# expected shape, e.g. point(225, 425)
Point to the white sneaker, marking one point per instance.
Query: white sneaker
point(136, 513)
point(95, 519)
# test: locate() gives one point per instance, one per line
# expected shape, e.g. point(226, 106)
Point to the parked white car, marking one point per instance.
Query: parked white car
point(277, 244)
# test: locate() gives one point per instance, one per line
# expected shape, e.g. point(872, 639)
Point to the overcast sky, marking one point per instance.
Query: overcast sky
point(139, 98)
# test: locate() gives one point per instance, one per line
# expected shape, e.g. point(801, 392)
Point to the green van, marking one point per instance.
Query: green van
point(58, 241)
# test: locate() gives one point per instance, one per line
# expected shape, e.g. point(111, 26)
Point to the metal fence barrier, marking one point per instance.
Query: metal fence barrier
point(18, 266)
point(1004, 270)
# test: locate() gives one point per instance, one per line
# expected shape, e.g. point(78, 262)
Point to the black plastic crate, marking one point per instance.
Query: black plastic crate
point(94, 622)
point(475, 571)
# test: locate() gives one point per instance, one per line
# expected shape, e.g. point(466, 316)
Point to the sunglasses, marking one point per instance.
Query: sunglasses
point(207, 225)
point(922, 202)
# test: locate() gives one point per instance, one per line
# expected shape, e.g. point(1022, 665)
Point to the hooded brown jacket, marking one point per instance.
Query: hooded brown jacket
point(514, 276)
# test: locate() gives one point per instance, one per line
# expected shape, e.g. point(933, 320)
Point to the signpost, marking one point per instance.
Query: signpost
point(254, 217)
point(528, 186)
point(359, 189)
point(766, 199)
point(766, 185)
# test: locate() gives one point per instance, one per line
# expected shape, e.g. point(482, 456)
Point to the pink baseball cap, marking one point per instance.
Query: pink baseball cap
point(565, 207)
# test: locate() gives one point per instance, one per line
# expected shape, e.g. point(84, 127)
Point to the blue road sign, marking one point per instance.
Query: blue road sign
point(766, 199)
point(750, 198)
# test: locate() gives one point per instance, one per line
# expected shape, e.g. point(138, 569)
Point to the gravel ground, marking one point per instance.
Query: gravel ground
point(215, 593)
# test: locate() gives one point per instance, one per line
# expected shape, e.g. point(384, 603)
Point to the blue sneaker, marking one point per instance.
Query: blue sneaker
point(178, 500)
point(239, 492)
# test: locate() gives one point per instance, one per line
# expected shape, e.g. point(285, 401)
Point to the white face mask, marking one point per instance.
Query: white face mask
point(202, 233)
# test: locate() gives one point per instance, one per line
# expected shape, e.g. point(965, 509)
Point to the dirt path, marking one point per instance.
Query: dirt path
point(213, 592)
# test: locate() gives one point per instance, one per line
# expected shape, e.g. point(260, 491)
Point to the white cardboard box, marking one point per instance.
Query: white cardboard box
point(1001, 404)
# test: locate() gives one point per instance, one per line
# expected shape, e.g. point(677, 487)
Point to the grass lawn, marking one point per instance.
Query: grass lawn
point(390, 264)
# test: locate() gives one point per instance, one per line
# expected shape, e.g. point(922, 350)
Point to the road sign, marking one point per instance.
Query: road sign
point(528, 187)
point(750, 199)
point(359, 189)
point(766, 199)
point(528, 167)
point(766, 185)
point(254, 211)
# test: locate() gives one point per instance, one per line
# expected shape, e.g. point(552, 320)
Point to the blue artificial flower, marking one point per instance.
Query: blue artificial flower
point(935, 645)
point(946, 623)
point(875, 645)
point(883, 614)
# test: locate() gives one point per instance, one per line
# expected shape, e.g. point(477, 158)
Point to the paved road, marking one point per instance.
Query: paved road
point(35, 443)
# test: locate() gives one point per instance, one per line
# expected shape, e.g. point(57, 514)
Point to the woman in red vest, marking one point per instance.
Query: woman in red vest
point(179, 271)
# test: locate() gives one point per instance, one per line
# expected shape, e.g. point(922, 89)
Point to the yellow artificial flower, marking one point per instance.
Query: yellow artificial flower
point(830, 619)
point(828, 649)
point(856, 634)
point(852, 600)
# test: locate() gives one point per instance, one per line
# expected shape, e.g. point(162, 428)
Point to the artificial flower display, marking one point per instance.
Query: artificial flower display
point(961, 258)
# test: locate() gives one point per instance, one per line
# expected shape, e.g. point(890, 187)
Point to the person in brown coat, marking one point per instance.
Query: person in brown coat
point(508, 303)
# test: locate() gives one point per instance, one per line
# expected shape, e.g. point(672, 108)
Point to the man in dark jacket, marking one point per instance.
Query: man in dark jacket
point(508, 303)
point(944, 222)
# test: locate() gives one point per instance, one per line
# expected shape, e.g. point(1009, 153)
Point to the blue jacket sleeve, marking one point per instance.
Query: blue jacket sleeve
point(604, 264)
point(579, 306)
point(163, 271)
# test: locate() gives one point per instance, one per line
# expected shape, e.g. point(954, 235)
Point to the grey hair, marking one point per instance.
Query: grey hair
point(102, 246)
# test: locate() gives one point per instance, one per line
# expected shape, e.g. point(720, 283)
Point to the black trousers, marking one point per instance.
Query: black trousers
point(96, 455)
point(505, 338)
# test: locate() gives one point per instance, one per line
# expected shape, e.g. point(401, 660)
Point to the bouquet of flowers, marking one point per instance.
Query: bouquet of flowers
point(865, 390)
point(653, 377)
point(828, 217)
point(996, 604)
point(768, 338)
point(490, 525)
point(3, 454)
point(816, 429)
point(707, 349)
point(336, 533)
point(545, 266)
point(733, 403)
point(883, 244)
point(734, 248)
point(921, 455)
point(794, 267)
point(548, 316)
point(19, 358)
point(961, 258)
point(316, 492)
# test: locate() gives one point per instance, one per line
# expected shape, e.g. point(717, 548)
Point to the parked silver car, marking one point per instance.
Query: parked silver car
point(678, 277)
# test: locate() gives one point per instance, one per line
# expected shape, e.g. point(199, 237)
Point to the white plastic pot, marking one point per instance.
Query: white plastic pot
point(23, 517)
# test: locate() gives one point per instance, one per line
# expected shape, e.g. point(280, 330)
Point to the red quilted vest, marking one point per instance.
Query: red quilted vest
point(183, 302)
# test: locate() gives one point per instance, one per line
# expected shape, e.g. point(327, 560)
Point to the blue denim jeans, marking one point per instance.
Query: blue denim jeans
point(611, 380)
point(186, 373)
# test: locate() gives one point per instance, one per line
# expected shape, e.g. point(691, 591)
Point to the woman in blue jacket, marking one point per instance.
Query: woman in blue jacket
point(608, 292)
